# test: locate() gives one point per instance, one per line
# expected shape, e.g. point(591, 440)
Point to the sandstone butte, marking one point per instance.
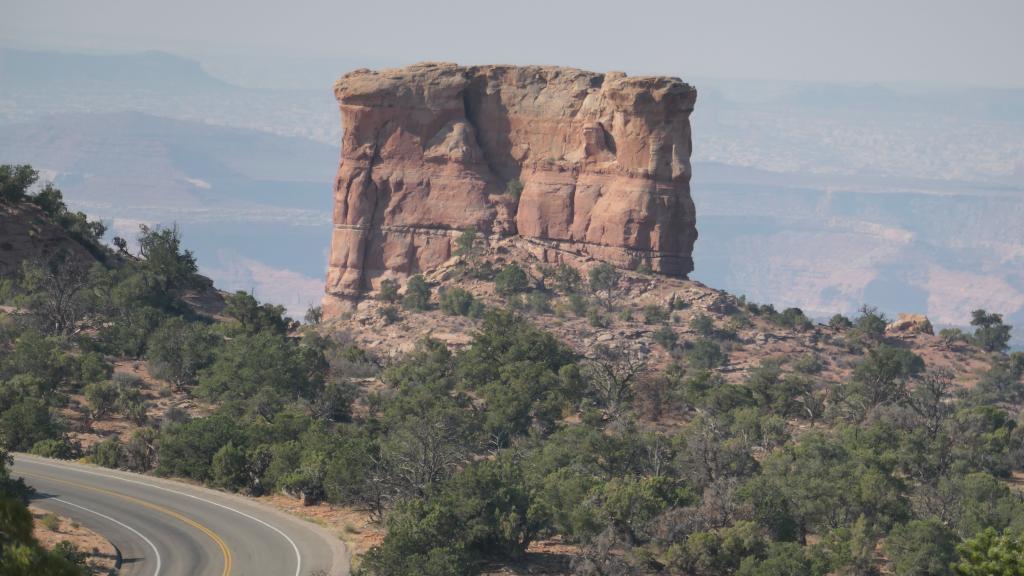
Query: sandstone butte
point(431, 150)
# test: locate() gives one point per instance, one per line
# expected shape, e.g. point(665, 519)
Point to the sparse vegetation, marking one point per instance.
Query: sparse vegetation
point(604, 282)
point(703, 457)
point(514, 188)
point(417, 294)
point(466, 242)
point(388, 291)
point(510, 280)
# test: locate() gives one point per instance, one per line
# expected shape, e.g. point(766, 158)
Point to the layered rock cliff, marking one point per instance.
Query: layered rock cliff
point(602, 162)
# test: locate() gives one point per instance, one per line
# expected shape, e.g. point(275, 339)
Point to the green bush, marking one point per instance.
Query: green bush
point(578, 304)
point(596, 318)
point(107, 453)
point(228, 468)
point(483, 513)
point(51, 522)
point(417, 294)
point(539, 302)
point(465, 243)
point(989, 331)
point(61, 448)
point(839, 323)
point(705, 355)
point(703, 325)
point(390, 314)
point(514, 188)
point(388, 291)
point(567, 279)
point(604, 282)
point(655, 314)
point(871, 323)
point(15, 182)
point(666, 337)
point(457, 301)
point(990, 553)
point(27, 422)
point(511, 280)
point(921, 548)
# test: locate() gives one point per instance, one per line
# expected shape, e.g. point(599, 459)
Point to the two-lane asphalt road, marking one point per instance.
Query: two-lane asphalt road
point(167, 528)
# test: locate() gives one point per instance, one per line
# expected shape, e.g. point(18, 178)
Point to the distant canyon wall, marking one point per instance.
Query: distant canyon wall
point(600, 164)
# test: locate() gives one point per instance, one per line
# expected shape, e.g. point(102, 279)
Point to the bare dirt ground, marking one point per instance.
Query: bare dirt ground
point(354, 527)
point(100, 553)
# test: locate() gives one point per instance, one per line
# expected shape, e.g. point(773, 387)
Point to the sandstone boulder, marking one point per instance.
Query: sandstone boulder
point(596, 165)
point(908, 324)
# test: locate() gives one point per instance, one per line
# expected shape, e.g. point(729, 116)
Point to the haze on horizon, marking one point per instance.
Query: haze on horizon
point(931, 42)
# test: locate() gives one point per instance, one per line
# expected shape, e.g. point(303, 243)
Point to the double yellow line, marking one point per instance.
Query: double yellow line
point(212, 535)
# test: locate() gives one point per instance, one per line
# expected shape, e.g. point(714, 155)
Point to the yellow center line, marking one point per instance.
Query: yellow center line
point(213, 535)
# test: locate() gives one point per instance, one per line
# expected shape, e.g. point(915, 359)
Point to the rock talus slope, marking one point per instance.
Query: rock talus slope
point(430, 150)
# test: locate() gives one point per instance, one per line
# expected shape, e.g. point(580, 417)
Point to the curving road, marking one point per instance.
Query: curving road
point(167, 528)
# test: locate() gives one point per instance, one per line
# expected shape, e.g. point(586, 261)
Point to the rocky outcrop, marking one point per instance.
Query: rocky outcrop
point(908, 324)
point(595, 165)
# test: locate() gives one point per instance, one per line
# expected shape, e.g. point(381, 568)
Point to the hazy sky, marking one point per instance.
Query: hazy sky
point(933, 41)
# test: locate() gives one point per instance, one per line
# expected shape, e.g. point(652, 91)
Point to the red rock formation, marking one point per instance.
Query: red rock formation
point(429, 150)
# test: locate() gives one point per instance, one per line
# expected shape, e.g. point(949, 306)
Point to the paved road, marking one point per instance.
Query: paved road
point(166, 528)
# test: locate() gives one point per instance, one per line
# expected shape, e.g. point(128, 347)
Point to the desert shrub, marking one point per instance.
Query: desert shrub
point(61, 448)
point(705, 354)
point(989, 331)
point(511, 280)
point(567, 279)
point(596, 318)
point(388, 291)
point(952, 336)
point(107, 453)
point(793, 318)
point(465, 243)
point(539, 302)
point(51, 522)
point(809, 363)
point(666, 337)
point(871, 323)
point(703, 325)
point(254, 317)
point(655, 314)
point(839, 322)
point(676, 303)
point(578, 304)
point(314, 315)
point(417, 294)
point(604, 282)
point(456, 302)
point(389, 314)
point(990, 553)
point(228, 468)
point(514, 188)
point(921, 548)
point(27, 422)
point(483, 513)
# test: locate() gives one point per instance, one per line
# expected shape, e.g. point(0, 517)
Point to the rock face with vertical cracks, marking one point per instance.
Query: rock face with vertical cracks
point(430, 150)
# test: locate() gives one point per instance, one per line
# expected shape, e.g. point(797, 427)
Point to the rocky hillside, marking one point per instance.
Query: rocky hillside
point(27, 232)
point(657, 318)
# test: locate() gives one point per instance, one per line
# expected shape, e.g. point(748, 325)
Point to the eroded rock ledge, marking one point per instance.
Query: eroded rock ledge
point(429, 150)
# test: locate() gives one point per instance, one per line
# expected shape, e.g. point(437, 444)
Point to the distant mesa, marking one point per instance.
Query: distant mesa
point(574, 162)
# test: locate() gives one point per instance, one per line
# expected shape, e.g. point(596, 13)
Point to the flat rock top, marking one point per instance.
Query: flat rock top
point(428, 80)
